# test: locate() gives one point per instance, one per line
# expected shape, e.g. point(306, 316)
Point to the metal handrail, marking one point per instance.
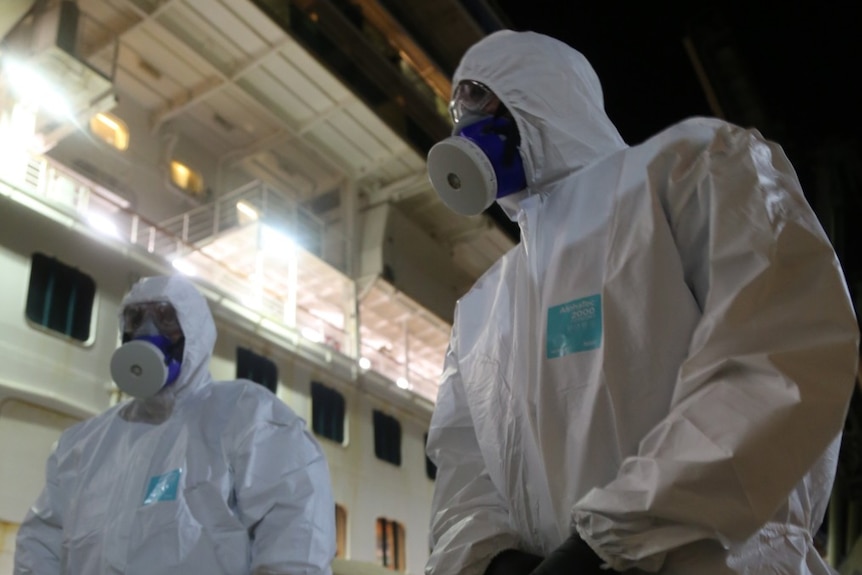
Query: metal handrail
point(162, 240)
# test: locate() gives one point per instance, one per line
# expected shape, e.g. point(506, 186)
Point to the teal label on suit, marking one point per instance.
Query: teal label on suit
point(163, 487)
point(574, 326)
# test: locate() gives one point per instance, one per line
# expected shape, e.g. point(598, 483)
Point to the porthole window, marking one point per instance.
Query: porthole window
point(187, 179)
point(110, 129)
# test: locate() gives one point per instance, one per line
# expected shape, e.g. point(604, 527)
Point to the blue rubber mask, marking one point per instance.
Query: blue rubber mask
point(151, 355)
point(477, 165)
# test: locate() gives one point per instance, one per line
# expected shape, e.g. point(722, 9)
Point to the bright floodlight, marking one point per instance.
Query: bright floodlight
point(275, 243)
point(184, 267)
point(247, 213)
point(311, 334)
point(103, 225)
point(33, 88)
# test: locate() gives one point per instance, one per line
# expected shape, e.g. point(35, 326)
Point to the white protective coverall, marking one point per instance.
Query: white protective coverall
point(665, 360)
point(205, 478)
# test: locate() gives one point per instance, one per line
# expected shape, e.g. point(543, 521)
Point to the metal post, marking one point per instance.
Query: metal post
point(292, 280)
point(407, 349)
point(352, 239)
point(134, 231)
point(216, 216)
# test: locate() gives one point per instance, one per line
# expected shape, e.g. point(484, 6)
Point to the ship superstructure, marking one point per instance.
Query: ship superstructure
point(206, 137)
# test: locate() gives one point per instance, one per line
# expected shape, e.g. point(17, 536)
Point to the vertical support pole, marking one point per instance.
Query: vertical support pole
point(352, 239)
point(407, 350)
point(292, 281)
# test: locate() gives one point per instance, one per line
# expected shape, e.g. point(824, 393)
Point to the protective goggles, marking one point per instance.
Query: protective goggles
point(472, 98)
point(162, 314)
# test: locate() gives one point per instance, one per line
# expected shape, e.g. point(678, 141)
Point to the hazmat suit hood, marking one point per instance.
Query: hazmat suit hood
point(555, 98)
point(199, 332)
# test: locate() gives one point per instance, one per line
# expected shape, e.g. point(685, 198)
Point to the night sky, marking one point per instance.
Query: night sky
point(802, 59)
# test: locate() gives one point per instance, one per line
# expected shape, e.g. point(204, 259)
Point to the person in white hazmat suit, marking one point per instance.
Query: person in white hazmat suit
point(656, 377)
point(191, 476)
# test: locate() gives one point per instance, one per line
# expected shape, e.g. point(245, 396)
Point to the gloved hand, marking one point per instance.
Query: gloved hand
point(573, 557)
point(513, 562)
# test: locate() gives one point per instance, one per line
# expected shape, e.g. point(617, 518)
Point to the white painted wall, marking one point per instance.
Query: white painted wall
point(50, 365)
point(391, 241)
point(28, 433)
point(12, 13)
point(369, 488)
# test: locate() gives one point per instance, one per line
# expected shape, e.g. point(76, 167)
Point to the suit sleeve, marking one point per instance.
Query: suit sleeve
point(469, 517)
point(39, 542)
point(284, 494)
point(770, 369)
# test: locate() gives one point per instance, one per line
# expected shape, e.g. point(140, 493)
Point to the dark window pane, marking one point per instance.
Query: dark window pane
point(387, 438)
point(327, 412)
point(257, 368)
point(60, 297)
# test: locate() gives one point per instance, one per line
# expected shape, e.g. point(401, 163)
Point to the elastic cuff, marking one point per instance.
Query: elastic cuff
point(607, 562)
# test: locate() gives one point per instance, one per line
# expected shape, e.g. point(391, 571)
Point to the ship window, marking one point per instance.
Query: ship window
point(60, 297)
point(340, 531)
point(387, 438)
point(327, 412)
point(187, 179)
point(390, 544)
point(430, 468)
point(110, 129)
point(257, 368)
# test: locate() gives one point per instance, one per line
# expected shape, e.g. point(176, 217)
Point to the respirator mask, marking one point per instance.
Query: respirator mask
point(152, 351)
point(481, 162)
